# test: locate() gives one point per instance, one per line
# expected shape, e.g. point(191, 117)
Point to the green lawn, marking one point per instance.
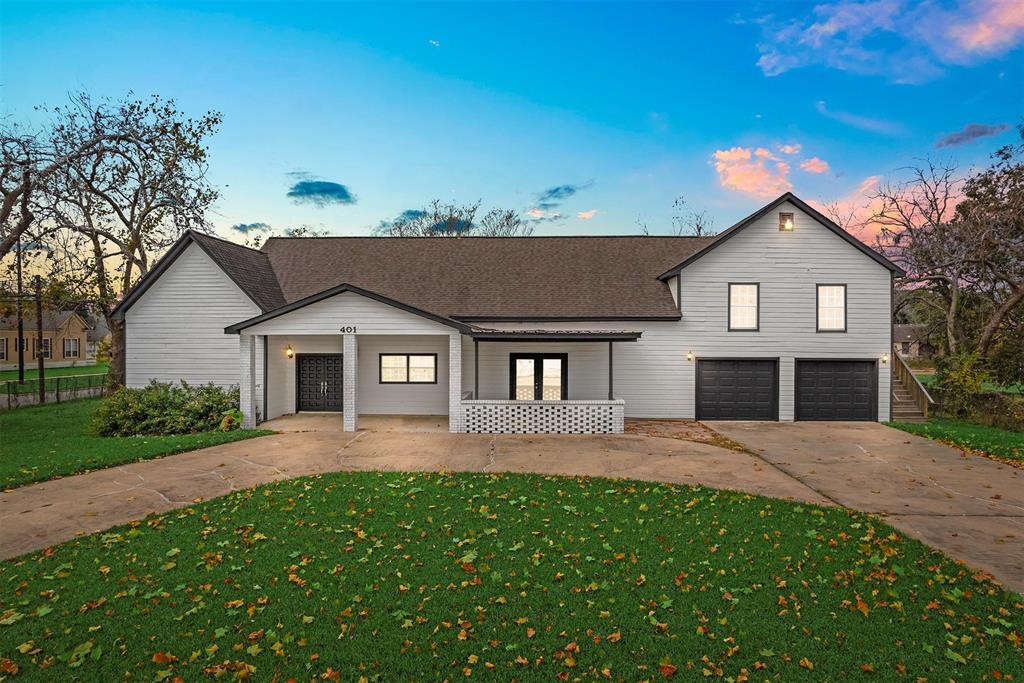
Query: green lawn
point(928, 378)
point(9, 379)
point(397, 576)
point(53, 440)
point(1001, 443)
point(31, 372)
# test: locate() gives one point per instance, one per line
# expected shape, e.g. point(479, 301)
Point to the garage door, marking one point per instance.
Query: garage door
point(836, 390)
point(737, 390)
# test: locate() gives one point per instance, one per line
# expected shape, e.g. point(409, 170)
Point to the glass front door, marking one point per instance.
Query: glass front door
point(538, 376)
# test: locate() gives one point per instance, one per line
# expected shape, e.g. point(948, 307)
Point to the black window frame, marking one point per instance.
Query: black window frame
point(78, 347)
point(407, 380)
point(3, 348)
point(47, 345)
point(817, 307)
point(728, 308)
point(538, 374)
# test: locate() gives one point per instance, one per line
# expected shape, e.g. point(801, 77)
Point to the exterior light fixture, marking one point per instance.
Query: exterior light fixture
point(785, 222)
point(689, 355)
point(288, 351)
point(885, 358)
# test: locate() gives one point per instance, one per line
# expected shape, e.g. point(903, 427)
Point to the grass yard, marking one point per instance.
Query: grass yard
point(999, 443)
point(928, 378)
point(53, 440)
point(397, 576)
point(31, 372)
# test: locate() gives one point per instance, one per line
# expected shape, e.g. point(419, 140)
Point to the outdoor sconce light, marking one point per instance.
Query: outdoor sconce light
point(785, 222)
point(885, 358)
point(689, 355)
point(288, 351)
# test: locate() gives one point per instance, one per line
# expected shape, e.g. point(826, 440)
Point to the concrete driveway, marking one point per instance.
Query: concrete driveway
point(37, 516)
point(970, 507)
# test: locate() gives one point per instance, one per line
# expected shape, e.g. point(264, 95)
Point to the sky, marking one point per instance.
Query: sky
point(589, 118)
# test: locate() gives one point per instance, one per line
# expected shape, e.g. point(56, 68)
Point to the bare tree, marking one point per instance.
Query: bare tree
point(690, 222)
point(440, 219)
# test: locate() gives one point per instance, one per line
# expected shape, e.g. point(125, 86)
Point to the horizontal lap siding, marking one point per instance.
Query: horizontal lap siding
point(348, 309)
point(175, 331)
point(401, 399)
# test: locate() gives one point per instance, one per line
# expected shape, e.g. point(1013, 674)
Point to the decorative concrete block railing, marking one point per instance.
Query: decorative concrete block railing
point(543, 417)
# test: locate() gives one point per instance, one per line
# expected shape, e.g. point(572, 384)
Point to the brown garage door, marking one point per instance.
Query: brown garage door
point(836, 390)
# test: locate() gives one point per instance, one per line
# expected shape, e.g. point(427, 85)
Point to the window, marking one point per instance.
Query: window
point(743, 304)
point(46, 347)
point(785, 222)
point(3, 348)
point(408, 368)
point(71, 348)
point(905, 348)
point(831, 308)
point(538, 376)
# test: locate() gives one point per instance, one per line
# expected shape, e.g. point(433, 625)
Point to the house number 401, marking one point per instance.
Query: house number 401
point(348, 329)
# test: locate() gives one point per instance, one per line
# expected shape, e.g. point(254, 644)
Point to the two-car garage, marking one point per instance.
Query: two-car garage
point(824, 389)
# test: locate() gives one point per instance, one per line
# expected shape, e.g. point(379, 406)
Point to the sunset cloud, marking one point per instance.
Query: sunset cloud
point(789, 149)
point(970, 133)
point(586, 215)
point(751, 171)
point(815, 165)
point(857, 121)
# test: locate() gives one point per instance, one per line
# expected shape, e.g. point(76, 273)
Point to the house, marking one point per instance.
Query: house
point(784, 316)
point(912, 341)
point(99, 333)
point(63, 345)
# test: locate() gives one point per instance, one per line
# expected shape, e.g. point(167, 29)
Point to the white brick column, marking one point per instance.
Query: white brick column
point(350, 348)
point(246, 380)
point(455, 382)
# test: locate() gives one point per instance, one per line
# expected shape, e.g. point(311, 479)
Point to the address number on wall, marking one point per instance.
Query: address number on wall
point(348, 329)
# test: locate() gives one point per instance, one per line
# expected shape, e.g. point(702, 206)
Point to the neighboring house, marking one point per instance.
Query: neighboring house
point(912, 341)
point(63, 345)
point(783, 316)
point(98, 333)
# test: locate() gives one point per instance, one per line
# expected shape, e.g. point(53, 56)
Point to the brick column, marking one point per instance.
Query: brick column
point(246, 380)
point(350, 347)
point(455, 382)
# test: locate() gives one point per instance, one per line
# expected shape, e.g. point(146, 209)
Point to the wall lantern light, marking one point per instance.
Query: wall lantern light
point(786, 222)
point(689, 355)
point(885, 358)
point(288, 351)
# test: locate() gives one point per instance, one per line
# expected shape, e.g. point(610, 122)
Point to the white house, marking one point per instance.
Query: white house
point(784, 316)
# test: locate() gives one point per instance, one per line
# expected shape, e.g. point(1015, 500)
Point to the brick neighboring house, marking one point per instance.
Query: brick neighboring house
point(65, 335)
point(911, 341)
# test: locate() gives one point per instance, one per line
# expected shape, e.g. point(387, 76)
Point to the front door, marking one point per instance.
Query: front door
point(319, 381)
point(538, 376)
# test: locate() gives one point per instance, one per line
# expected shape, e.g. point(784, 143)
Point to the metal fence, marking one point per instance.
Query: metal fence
point(61, 388)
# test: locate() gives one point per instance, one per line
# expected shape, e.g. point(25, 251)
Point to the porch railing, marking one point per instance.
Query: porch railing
point(543, 417)
point(913, 385)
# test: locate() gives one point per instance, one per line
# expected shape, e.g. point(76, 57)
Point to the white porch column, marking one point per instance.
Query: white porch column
point(455, 382)
point(247, 380)
point(350, 348)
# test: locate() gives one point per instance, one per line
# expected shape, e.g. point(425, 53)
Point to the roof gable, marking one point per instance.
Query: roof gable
point(803, 206)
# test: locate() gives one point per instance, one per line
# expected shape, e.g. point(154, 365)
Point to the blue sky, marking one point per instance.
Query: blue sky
point(622, 107)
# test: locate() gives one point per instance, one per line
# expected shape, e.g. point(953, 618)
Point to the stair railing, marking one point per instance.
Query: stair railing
point(917, 391)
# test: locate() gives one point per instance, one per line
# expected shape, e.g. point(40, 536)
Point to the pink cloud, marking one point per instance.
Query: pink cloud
point(996, 26)
point(815, 165)
point(586, 215)
point(535, 213)
point(789, 149)
point(739, 170)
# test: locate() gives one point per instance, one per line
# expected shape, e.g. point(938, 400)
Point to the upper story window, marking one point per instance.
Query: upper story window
point(831, 308)
point(744, 298)
point(786, 222)
point(407, 368)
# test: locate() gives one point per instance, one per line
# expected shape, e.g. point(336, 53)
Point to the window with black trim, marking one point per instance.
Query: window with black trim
point(3, 348)
point(46, 347)
point(71, 347)
point(538, 377)
point(744, 302)
point(408, 368)
point(831, 308)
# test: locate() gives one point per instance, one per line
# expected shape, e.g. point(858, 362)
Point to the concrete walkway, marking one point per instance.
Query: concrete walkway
point(968, 506)
point(40, 515)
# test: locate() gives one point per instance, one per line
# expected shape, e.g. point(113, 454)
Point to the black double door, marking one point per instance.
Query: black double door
point(319, 381)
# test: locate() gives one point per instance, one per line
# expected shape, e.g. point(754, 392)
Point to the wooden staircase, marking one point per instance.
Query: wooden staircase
point(910, 400)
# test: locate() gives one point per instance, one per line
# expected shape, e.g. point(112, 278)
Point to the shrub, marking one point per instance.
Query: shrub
point(164, 409)
point(959, 379)
point(995, 409)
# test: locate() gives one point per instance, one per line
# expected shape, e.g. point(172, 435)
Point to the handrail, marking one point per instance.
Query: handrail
point(906, 376)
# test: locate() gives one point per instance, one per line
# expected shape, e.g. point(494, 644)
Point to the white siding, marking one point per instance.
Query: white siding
point(588, 365)
point(175, 331)
point(401, 399)
point(349, 309)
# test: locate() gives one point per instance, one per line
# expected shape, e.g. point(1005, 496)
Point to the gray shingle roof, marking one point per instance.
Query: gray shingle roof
point(250, 269)
point(52, 320)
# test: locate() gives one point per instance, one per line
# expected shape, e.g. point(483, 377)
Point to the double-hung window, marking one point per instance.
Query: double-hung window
point(831, 308)
point(71, 347)
point(45, 352)
point(744, 300)
point(3, 348)
point(408, 368)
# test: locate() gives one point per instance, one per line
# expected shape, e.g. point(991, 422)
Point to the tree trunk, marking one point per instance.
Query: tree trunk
point(117, 357)
point(997, 319)
point(954, 302)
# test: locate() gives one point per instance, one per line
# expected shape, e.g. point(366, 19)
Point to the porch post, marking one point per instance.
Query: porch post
point(350, 363)
point(476, 369)
point(455, 382)
point(247, 380)
point(611, 393)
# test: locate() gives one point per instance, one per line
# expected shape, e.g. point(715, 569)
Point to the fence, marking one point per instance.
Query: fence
point(61, 388)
